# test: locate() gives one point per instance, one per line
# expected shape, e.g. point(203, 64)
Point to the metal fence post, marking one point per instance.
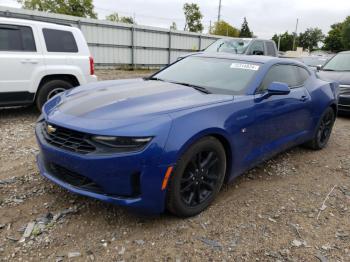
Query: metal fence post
point(133, 47)
point(169, 54)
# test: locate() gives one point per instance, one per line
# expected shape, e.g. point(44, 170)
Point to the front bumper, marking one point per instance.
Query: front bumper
point(121, 179)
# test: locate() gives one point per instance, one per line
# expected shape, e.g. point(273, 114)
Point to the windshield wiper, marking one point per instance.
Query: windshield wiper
point(199, 88)
point(328, 70)
point(217, 50)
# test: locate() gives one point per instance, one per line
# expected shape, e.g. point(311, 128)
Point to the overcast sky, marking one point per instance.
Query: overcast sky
point(265, 17)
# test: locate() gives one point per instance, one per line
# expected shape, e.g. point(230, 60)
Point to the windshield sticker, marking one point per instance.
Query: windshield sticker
point(245, 66)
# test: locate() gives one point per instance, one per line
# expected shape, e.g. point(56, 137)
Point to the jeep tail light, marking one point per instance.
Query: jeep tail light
point(92, 66)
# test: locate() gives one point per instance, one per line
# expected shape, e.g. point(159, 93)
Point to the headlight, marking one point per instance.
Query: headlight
point(124, 144)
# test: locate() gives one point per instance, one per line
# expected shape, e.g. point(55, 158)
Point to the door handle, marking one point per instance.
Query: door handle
point(303, 98)
point(29, 61)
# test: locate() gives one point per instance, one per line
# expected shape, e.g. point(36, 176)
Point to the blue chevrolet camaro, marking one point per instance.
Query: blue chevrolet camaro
point(170, 141)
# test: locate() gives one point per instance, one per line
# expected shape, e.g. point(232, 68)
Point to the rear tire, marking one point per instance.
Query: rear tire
point(323, 130)
point(49, 90)
point(197, 178)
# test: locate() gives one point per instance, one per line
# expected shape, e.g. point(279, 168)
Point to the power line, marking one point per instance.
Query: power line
point(144, 15)
point(206, 23)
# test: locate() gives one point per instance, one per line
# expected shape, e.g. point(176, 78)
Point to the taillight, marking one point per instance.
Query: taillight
point(92, 66)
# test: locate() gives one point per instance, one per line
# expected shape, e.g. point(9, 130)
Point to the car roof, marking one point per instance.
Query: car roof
point(32, 22)
point(344, 52)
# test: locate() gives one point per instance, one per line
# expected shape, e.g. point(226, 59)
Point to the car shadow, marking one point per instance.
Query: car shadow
point(18, 112)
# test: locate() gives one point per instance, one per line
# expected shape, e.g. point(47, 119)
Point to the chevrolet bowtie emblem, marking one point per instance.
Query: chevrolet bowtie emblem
point(50, 129)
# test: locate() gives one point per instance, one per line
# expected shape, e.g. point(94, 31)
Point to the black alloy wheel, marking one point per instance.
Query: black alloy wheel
point(197, 178)
point(323, 131)
point(325, 127)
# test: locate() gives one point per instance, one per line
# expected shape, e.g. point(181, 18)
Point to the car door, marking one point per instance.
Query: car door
point(20, 58)
point(281, 121)
point(61, 49)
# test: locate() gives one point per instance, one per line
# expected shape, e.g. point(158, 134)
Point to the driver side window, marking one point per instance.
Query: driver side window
point(281, 73)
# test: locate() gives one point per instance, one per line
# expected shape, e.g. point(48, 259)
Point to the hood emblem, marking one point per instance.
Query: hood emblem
point(50, 129)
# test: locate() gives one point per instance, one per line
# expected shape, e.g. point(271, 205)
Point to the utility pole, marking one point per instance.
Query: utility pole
point(219, 11)
point(295, 34)
point(210, 27)
point(279, 43)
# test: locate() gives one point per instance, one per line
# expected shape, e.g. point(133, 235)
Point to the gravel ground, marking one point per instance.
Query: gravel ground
point(295, 207)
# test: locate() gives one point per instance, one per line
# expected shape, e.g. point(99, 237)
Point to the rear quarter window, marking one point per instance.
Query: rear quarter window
point(270, 48)
point(16, 38)
point(60, 41)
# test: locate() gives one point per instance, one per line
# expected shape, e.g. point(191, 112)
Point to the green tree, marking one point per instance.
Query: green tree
point(345, 33)
point(224, 28)
point(333, 42)
point(193, 18)
point(286, 42)
point(173, 26)
point(81, 8)
point(114, 17)
point(127, 20)
point(310, 38)
point(245, 31)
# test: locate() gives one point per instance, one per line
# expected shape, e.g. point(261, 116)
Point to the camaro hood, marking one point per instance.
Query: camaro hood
point(343, 78)
point(128, 101)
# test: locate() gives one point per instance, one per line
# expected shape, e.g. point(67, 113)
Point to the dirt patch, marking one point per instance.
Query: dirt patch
point(268, 214)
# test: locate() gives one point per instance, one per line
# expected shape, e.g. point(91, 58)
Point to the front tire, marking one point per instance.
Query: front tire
point(323, 130)
point(49, 90)
point(197, 178)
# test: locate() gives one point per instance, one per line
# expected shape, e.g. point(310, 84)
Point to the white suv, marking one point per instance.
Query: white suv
point(39, 60)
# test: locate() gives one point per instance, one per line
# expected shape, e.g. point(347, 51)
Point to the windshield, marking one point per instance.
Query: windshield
point(235, 46)
point(341, 62)
point(217, 75)
point(314, 61)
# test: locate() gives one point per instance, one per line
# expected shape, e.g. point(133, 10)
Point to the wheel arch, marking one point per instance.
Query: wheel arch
point(334, 107)
point(72, 79)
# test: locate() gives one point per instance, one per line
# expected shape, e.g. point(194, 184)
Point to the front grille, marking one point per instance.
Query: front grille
point(73, 178)
point(345, 89)
point(67, 139)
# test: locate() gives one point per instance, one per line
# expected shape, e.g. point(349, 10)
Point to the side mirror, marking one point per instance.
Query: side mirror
point(278, 88)
point(275, 88)
point(319, 67)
